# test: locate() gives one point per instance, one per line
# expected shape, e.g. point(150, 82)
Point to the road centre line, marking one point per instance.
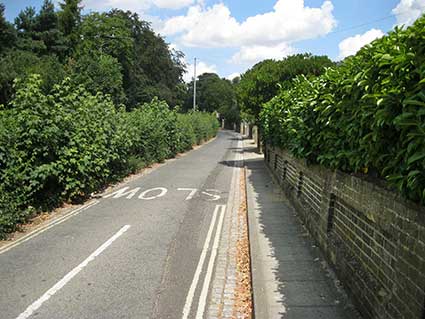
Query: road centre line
point(42, 229)
point(194, 284)
point(61, 283)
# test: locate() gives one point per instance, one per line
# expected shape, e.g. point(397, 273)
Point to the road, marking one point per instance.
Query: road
point(141, 251)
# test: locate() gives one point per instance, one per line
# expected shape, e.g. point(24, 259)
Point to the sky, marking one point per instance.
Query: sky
point(229, 36)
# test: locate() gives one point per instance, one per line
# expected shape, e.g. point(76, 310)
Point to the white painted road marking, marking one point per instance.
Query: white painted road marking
point(208, 275)
point(214, 250)
point(60, 284)
point(214, 197)
point(128, 193)
point(162, 190)
point(194, 284)
point(47, 226)
point(191, 194)
point(122, 192)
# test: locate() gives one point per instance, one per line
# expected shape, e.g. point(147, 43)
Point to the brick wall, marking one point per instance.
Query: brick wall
point(374, 239)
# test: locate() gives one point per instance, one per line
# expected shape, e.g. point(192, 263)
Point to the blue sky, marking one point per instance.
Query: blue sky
point(229, 36)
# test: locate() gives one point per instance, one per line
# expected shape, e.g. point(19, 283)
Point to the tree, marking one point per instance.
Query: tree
point(69, 19)
point(7, 31)
point(47, 30)
point(19, 64)
point(70, 16)
point(156, 70)
point(209, 96)
point(39, 33)
point(258, 85)
point(112, 52)
point(25, 21)
point(99, 73)
point(216, 95)
point(264, 80)
point(47, 18)
point(150, 69)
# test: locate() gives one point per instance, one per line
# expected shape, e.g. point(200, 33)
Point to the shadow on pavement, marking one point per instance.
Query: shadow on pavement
point(290, 278)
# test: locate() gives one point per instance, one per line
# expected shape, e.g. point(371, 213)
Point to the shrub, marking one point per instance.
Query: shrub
point(367, 115)
point(64, 145)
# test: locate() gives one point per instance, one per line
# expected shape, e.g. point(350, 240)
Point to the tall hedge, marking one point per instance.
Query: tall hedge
point(367, 115)
point(64, 145)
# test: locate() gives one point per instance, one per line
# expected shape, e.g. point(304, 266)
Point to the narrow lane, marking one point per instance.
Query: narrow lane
point(146, 272)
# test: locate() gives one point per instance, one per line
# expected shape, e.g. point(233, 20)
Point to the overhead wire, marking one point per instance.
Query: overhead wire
point(390, 16)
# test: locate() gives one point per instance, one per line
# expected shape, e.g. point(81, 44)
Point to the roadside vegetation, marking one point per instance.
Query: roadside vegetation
point(365, 115)
point(84, 101)
point(66, 144)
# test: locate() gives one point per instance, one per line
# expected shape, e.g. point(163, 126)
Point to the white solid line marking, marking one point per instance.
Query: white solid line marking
point(191, 194)
point(208, 275)
point(191, 293)
point(37, 304)
point(53, 223)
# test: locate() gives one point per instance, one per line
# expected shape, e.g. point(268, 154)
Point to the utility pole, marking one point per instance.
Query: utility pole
point(194, 87)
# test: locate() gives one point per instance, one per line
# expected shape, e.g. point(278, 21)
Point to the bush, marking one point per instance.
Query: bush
point(367, 115)
point(66, 144)
point(98, 73)
point(186, 133)
point(205, 125)
point(18, 64)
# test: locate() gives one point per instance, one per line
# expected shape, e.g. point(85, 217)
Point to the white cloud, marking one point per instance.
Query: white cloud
point(139, 6)
point(407, 11)
point(257, 53)
point(173, 4)
point(232, 76)
point(201, 67)
point(351, 45)
point(133, 5)
point(290, 21)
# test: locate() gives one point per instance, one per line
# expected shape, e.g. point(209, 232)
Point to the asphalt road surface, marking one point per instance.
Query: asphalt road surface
point(141, 251)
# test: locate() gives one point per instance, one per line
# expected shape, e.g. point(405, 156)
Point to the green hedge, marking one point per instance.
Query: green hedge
point(67, 144)
point(367, 115)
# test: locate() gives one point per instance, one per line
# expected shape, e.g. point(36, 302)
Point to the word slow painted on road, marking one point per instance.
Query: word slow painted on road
point(158, 192)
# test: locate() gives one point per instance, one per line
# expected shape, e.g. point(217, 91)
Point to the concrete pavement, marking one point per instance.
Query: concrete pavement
point(290, 278)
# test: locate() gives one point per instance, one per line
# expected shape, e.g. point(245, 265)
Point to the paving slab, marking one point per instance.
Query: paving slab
point(291, 280)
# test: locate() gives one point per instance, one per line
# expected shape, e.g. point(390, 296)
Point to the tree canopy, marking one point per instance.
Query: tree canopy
point(114, 52)
point(264, 80)
point(215, 94)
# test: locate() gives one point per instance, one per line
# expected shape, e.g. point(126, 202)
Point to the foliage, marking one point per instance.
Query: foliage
point(215, 95)
point(205, 125)
point(19, 64)
point(67, 143)
point(148, 66)
point(367, 115)
point(61, 139)
point(98, 73)
point(40, 32)
point(69, 18)
point(7, 32)
point(150, 69)
point(263, 81)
